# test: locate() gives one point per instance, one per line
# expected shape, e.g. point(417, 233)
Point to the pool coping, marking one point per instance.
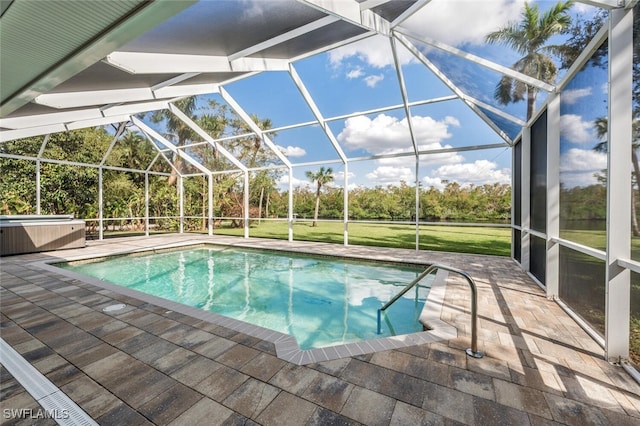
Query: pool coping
point(286, 346)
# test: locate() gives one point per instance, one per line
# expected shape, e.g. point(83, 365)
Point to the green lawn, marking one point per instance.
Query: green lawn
point(598, 240)
point(459, 239)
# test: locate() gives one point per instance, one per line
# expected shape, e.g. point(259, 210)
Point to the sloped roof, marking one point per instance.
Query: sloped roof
point(72, 64)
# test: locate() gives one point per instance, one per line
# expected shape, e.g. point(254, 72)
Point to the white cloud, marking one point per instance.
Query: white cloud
point(429, 131)
point(385, 134)
point(355, 73)
point(583, 8)
point(373, 80)
point(576, 130)
point(425, 160)
point(387, 175)
point(604, 88)
point(338, 181)
point(433, 159)
point(578, 166)
point(283, 182)
point(376, 136)
point(338, 177)
point(292, 151)
point(436, 182)
point(435, 19)
point(374, 51)
point(479, 172)
point(570, 97)
point(580, 160)
point(389, 135)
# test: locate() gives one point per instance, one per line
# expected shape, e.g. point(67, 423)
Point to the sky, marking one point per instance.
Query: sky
point(582, 102)
point(362, 76)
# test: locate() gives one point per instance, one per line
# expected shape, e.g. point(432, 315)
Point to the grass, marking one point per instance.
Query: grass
point(458, 239)
point(598, 240)
point(589, 238)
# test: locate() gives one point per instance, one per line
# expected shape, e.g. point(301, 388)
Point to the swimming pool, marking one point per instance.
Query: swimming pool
point(320, 301)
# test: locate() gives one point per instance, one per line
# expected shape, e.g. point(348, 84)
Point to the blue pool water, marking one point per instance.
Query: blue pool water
point(319, 300)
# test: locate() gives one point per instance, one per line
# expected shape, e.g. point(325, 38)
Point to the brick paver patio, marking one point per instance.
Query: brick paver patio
point(149, 365)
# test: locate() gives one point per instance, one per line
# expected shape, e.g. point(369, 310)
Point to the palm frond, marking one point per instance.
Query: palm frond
point(520, 91)
point(511, 36)
point(502, 92)
point(528, 38)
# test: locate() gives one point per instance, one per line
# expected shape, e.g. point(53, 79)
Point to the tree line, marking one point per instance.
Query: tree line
point(73, 189)
point(69, 189)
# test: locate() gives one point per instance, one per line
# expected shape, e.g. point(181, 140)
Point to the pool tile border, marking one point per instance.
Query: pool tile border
point(286, 346)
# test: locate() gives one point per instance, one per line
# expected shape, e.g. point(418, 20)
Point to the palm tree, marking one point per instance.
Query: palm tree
point(321, 177)
point(137, 153)
point(528, 37)
point(249, 149)
point(177, 129)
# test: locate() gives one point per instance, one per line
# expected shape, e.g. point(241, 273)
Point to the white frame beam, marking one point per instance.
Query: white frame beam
point(253, 126)
point(181, 202)
point(9, 135)
point(152, 134)
point(90, 97)
point(297, 80)
point(426, 62)
point(208, 139)
point(525, 200)
point(210, 204)
point(618, 288)
point(297, 32)
point(605, 4)
point(583, 58)
point(119, 132)
point(245, 190)
point(403, 93)
point(552, 274)
point(350, 11)
point(419, 4)
point(539, 84)
point(38, 189)
point(407, 110)
point(147, 198)
point(188, 66)
point(53, 118)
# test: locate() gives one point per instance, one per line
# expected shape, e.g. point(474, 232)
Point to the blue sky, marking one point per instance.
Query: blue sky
point(583, 101)
point(362, 76)
point(346, 82)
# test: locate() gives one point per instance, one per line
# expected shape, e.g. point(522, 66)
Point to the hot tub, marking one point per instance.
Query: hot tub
point(35, 233)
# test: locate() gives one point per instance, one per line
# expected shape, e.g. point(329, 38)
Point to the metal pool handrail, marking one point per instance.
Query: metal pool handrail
point(473, 351)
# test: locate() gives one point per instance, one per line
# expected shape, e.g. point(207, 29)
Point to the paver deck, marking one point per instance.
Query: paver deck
point(149, 365)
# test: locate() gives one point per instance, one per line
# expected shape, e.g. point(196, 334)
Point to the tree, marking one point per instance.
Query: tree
point(602, 128)
point(249, 149)
point(321, 177)
point(580, 33)
point(134, 152)
point(177, 129)
point(529, 37)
